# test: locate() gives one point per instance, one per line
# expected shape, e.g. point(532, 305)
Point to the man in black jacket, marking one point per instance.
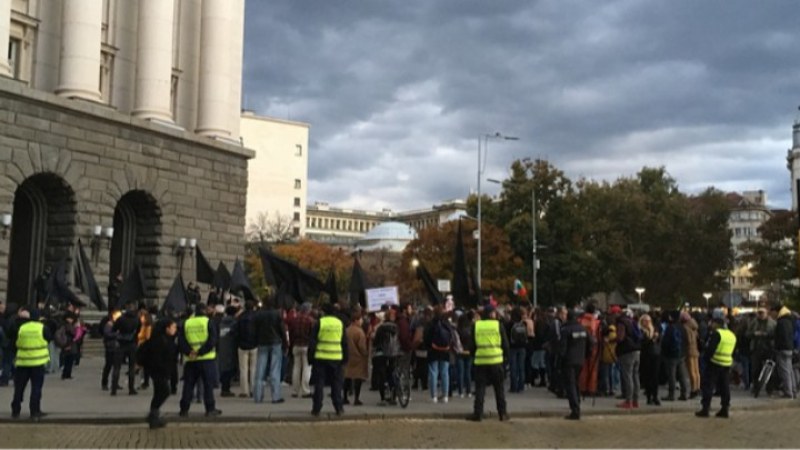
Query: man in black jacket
point(784, 347)
point(245, 333)
point(126, 329)
point(574, 346)
point(272, 343)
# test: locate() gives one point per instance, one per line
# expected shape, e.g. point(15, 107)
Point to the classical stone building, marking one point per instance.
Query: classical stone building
point(119, 128)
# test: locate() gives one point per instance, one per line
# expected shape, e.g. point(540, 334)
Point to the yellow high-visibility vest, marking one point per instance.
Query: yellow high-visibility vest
point(724, 354)
point(31, 345)
point(196, 331)
point(488, 343)
point(329, 339)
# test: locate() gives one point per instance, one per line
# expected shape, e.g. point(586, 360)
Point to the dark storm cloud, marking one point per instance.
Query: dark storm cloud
point(397, 93)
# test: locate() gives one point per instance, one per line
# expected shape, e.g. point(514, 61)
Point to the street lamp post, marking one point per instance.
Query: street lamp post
point(481, 161)
point(707, 296)
point(640, 291)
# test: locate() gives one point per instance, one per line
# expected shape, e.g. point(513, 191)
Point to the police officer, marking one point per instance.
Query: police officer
point(489, 348)
point(198, 343)
point(574, 346)
point(327, 354)
point(718, 359)
point(33, 355)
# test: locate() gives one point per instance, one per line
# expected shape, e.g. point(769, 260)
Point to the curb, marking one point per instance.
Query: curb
point(330, 417)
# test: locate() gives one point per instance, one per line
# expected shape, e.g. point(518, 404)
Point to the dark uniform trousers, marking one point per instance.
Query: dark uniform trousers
point(192, 373)
point(123, 353)
point(22, 375)
point(716, 378)
point(327, 372)
point(494, 375)
point(571, 374)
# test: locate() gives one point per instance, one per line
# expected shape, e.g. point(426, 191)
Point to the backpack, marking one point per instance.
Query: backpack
point(442, 337)
point(61, 337)
point(519, 334)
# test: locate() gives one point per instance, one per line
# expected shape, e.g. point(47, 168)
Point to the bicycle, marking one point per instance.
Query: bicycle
point(764, 376)
point(401, 380)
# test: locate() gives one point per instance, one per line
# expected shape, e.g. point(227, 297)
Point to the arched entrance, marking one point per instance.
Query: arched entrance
point(137, 229)
point(42, 232)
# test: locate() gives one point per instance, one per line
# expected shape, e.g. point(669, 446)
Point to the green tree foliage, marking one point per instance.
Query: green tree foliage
point(600, 236)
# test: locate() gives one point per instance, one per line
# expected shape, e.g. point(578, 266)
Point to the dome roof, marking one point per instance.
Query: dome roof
point(392, 230)
point(392, 235)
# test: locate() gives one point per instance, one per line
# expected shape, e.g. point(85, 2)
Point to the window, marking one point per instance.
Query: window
point(296, 231)
point(297, 183)
point(173, 93)
point(298, 150)
point(15, 56)
point(21, 42)
point(297, 217)
point(297, 201)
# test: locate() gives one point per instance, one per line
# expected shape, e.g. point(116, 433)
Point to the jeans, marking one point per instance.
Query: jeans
point(676, 365)
point(52, 366)
point(784, 360)
point(22, 375)
point(301, 371)
point(517, 369)
point(464, 373)
point(629, 364)
point(7, 365)
point(744, 360)
point(268, 355)
point(247, 370)
point(435, 369)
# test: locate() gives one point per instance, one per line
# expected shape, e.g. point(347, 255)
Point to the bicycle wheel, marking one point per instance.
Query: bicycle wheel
point(404, 388)
point(763, 377)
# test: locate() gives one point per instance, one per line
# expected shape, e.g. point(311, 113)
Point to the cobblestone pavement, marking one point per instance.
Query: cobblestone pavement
point(81, 400)
point(773, 428)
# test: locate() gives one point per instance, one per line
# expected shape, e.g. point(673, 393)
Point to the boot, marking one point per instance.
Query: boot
point(155, 420)
point(723, 413)
point(542, 378)
point(702, 413)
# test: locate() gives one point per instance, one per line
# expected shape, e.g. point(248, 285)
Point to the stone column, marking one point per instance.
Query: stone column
point(154, 60)
point(79, 70)
point(213, 107)
point(5, 30)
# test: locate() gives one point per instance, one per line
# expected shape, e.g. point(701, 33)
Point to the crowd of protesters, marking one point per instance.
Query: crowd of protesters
point(243, 348)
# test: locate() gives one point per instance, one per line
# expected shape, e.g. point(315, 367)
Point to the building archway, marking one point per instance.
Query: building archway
point(137, 231)
point(42, 232)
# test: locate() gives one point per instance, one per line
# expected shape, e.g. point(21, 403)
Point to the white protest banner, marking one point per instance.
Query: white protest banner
point(381, 296)
point(443, 285)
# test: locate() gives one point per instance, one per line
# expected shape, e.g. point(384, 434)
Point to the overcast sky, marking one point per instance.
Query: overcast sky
point(397, 92)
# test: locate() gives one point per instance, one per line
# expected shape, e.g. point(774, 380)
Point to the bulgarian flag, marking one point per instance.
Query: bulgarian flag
point(519, 289)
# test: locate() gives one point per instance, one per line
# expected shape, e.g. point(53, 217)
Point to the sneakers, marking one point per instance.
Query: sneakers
point(504, 417)
point(635, 405)
point(280, 400)
point(434, 400)
point(213, 413)
point(226, 394)
point(444, 399)
point(625, 405)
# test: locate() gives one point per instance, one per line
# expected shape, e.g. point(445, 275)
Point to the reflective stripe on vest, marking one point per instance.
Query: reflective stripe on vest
point(31, 345)
point(724, 354)
point(196, 332)
point(329, 339)
point(488, 343)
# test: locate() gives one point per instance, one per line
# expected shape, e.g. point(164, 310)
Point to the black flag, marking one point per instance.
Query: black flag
point(475, 296)
point(203, 271)
point(460, 278)
point(84, 278)
point(176, 298)
point(330, 286)
point(434, 295)
point(132, 289)
point(295, 281)
point(222, 278)
point(358, 285)
point(240, 283)
point(58, 292)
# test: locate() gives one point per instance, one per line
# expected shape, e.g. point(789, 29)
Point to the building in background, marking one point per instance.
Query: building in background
point(279, 173)
point(344, 228)
point(119, 128)
point(748, 211)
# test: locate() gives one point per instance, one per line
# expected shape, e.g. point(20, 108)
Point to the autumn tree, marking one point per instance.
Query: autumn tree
point(435, 246)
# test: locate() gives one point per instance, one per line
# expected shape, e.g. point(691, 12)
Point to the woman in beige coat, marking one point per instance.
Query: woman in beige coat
point(357, 367)
point(691, 352)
